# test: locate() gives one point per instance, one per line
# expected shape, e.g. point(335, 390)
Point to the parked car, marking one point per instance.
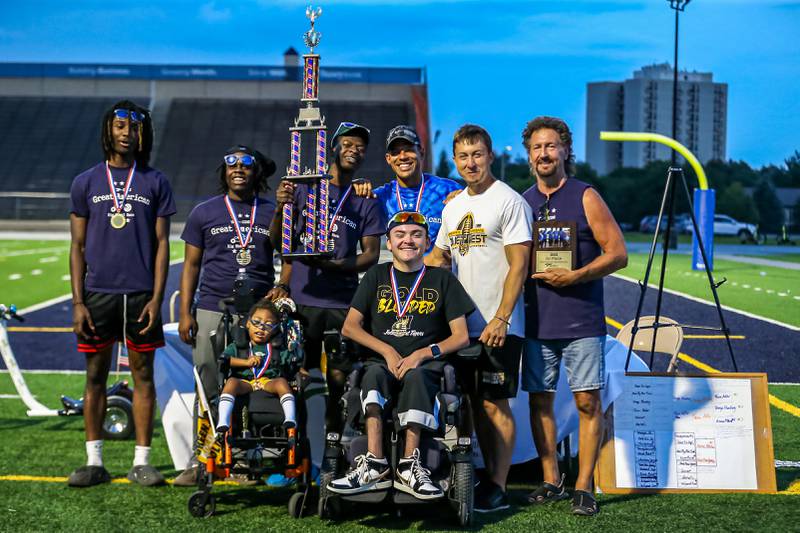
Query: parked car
point(683, 223)
point(726, 225)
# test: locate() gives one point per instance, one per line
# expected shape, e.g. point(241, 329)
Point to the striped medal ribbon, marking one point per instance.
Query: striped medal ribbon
point(403, 308)
point(400, 206)
point(119, 203)
point(243, 256)
point(342, 201)
point(265, 365)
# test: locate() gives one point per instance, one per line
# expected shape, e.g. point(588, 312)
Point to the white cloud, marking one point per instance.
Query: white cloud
point(209, 12)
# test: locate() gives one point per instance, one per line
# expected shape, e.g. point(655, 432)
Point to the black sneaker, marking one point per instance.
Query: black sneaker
point(369, 473)
point(146, 476)
point(88, 476)
point(413, 478)
point(490, 498)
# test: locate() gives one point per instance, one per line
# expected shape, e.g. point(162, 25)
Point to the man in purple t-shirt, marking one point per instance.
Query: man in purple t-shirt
point(564, 307)
point(225, 236)
point(119, 257)
point(323, 288)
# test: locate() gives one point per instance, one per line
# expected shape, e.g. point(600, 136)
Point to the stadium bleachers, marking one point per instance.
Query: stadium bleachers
point(46, 141)
point(197, 132)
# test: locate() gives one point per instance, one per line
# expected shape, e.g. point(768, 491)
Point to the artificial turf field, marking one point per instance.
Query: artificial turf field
point(47, 449)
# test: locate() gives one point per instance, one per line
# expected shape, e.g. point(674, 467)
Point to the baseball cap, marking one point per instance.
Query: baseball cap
point(402, 132)
point(407, 217)
point(353, 129)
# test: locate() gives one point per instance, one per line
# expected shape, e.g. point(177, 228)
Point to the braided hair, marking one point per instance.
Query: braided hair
point(263, 168)
point(145, 145)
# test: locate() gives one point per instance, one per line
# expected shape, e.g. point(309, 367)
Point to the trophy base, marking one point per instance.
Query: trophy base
point(307, 178)
point(300, 255)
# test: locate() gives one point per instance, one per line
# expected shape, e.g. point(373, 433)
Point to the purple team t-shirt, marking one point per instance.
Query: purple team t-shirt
point(210, 228)
point(121, 261)
point(358, 217)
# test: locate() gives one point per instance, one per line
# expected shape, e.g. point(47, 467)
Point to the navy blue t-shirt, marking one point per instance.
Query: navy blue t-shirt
point(209, 227)
point(122, 260)
point(358, 217)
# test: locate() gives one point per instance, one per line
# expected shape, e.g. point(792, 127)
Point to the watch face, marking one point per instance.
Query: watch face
point(435, 350)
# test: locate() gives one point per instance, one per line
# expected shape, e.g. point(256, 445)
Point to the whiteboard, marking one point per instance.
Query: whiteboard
point(684, 433)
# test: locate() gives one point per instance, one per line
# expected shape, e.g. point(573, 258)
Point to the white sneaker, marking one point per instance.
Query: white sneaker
point(369, 473)
point(413, 478)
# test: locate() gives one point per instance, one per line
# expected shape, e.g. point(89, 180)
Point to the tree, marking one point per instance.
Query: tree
point(444, 167)
point(770, 209)
point(734, 201)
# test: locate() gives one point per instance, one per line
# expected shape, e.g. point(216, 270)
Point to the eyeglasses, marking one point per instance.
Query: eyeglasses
point(544, 211)
point(409, 217)
point(129, 113)
point(263, 326)
point(246, 159)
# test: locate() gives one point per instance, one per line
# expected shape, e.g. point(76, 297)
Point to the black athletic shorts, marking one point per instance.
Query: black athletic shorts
point(320, 320)
point(494, 374)
point(114, 317)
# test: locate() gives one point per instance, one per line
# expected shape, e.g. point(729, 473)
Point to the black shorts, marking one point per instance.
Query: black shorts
point(319, 320)
point(494, 374)
point(115, 318)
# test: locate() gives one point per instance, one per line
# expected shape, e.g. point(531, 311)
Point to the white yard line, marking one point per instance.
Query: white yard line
point(727, 308)
point(34, 251)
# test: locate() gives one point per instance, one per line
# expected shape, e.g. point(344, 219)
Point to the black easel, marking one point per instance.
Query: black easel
point(669, 190)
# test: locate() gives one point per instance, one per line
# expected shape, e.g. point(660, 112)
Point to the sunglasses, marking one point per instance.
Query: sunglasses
point(246, 159)
point(409, 217)
point(346, 126)
point(129, 113)
point(263, 326)
point(544, 211)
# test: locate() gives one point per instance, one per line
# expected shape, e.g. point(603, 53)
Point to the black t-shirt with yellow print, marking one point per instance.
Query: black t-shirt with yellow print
point(439, 299)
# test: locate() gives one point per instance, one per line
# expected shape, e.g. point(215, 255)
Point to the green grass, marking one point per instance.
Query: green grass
point(54, 446)
point(636, 236)
point(35, 271)
point(738, 292)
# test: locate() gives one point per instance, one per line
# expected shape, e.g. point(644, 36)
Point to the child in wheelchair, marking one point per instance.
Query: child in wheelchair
point(408, 316)
point(261, 370)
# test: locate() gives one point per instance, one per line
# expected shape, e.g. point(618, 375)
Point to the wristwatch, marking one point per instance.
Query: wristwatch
point(435, 350)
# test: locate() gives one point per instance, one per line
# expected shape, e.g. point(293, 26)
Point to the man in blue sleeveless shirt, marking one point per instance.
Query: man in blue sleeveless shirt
point(565, 318)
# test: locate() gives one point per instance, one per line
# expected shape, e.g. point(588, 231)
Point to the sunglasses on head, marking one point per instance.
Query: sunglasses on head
point(263, 326)
point(409, 217)
point(246, 159)
point(135, 116)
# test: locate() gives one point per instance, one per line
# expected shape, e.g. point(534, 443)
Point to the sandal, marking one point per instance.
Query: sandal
point(584, 504)
point(548, 493)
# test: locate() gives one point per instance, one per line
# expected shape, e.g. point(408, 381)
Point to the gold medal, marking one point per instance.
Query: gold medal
point(118, 221)
point(243, 257)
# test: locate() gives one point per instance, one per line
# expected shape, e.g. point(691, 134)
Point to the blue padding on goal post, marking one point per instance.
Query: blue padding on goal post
point(704, 203)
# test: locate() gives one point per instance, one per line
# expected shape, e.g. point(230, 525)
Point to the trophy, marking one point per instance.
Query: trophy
point(309, 125)
point(555, 245)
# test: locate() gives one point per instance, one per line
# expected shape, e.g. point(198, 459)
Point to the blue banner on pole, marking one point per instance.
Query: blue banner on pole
point(704, 203)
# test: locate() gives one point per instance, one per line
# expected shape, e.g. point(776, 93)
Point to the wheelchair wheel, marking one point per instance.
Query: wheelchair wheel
point(202, 505)
point(296, 505)
point(329, 506)
point(118, 422)
point(464, 492)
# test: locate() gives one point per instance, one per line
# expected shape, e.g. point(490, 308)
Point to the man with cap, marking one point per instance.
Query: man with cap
point(323, 287)
point(119, 259)
point(408, 316)
point(225, 236)
point(412, 189)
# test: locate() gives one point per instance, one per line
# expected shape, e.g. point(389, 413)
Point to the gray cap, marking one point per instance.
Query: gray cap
point(402, 132)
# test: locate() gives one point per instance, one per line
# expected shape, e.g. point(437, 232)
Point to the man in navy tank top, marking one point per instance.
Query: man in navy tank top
point(565, 318)
point(119, 257)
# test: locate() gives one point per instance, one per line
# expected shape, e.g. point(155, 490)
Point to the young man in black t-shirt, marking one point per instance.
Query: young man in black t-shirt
point(408, 316)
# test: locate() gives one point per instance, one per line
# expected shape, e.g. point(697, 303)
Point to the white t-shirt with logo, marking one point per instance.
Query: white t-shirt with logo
point(475, 229)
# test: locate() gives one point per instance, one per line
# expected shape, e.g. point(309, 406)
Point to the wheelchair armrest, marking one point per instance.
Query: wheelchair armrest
point(473, 351)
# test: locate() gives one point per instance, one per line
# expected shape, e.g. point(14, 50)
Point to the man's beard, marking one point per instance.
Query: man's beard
point(550, 174)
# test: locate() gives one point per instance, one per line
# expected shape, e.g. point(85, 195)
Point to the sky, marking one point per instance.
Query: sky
point(497, 64)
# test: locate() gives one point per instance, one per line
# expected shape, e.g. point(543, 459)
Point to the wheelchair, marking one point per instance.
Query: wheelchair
point(257, 444)
point(450, 461)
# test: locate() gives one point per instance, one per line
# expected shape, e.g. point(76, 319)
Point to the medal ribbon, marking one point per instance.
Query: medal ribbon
point(246, 240)
point(419, 196)
point(118, 204)
point(403, 309)
point(343, 199)
point(260, 372)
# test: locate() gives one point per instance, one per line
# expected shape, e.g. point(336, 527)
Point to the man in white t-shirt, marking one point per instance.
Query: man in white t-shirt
point(486, 237)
